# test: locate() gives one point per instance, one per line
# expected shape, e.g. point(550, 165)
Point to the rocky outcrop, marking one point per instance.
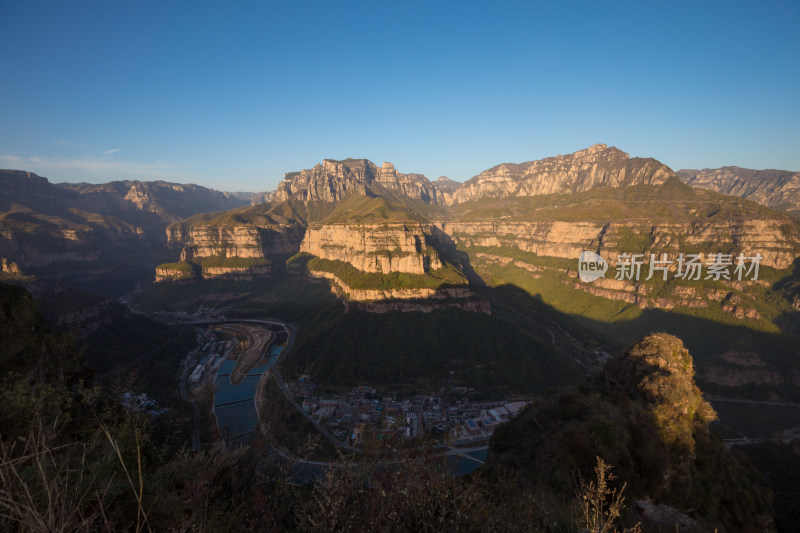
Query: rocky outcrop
point(332, 180)
point(644, 414)
point(9, 268)
point(778, 189)
point(168, 273)
point(593, 167)
point(375, 248)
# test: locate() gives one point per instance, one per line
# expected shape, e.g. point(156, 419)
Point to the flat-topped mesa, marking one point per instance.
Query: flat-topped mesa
point(374, 248)
point(593, 167)
point(332, 180)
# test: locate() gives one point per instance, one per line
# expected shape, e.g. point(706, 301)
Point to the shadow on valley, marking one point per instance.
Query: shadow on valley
point(446, 247)
point(524, 346)
point(789, 288)
point(705, 339)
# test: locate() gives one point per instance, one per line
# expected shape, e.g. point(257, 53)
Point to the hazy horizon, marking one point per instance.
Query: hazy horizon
point(233, 97)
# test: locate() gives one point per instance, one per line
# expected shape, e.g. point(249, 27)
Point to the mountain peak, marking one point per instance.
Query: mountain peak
point(599, 149)
point(596, 166)
point(332, 180)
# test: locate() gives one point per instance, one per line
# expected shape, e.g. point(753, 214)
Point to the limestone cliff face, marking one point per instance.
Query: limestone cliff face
point(596, 166)
point(234, 241)
point(366, 295)
point(779, 189)
point(240, 273)
point(171, 274)
point(422, 300)
point(374, 248)
point(332, 180)
point(45, 245)
point(567, 239)
point(237, 273)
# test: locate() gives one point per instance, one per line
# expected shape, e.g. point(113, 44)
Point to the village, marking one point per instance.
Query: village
point(447, 412)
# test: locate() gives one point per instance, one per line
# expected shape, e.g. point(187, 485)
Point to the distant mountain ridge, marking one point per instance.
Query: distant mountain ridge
point(354, 213)
point(79, 231)
point(593, 167)
point(779, 189)
point(172, 201)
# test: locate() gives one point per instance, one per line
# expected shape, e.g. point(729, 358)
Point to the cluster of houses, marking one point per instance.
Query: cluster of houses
point(212, 353)
point(436, 414)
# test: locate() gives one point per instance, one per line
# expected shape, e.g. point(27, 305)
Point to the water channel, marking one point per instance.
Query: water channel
point(234, 405)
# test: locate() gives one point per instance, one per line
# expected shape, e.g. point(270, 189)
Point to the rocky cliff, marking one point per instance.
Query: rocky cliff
point(243, 241)
point(423, 300)
point(530, 245)
point(567, 240)
point(779, 189)
point(332, 180)
point(375, 248)
point(593, 167)
point(595, 199)
point(213, 267)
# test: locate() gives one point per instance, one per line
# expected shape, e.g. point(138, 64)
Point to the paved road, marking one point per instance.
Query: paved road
point(285, 389)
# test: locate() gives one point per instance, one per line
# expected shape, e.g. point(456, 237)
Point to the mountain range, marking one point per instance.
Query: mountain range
point(404, 283)
point(779, 189)
point(386, 241)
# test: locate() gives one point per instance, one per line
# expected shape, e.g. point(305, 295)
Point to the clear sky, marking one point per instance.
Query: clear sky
point(233, 94)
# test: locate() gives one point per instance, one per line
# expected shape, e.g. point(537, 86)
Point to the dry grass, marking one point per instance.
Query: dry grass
point(47, 487)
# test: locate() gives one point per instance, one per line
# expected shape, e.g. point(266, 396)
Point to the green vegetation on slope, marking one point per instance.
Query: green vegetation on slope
point(708, 331)
point(231, 262)
point(179, 270)
point(288, 212)
point(381, 206)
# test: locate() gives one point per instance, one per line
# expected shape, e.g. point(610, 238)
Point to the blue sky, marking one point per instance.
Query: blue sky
point(232, 95)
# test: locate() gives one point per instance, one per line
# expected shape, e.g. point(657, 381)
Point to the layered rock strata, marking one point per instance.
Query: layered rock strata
point(375, 248)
